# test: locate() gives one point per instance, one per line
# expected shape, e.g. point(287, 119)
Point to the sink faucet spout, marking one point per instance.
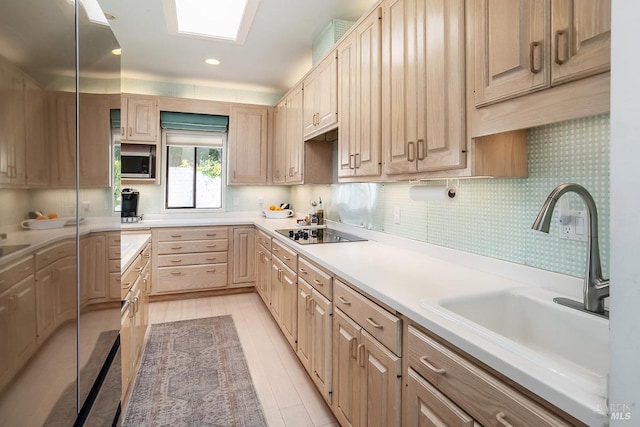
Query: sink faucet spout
point(596, 289)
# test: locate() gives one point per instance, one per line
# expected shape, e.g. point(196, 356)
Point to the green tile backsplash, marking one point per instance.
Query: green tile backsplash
point(493, 217)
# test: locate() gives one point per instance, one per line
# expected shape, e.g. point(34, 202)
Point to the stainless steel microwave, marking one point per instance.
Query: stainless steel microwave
point(137, 162)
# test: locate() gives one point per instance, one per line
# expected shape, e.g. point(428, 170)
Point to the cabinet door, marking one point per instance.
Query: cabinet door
point(141, 115)
point(289, 312)
point(368, 126)
point(244, 267)
point(248, 145)
point(279, 158)
point(425, 85)
point(95, 141)
point(64, 167)
point(425, 406)
point(276, 289)
point(309, 105)
point(125, 350)
point(38, 166)
point(23, 320)
point(511, 48)
point(321, 316)
point(327, 93)
point(581, 42)
point(380, 383)
point(295, 141)
point(304, 324)
point(5, 342)
point(347, 106)
point(45, 294)
point(93, 265)
point(263, 274)
point(64, 281)
point(12, 129)
point(346, 372)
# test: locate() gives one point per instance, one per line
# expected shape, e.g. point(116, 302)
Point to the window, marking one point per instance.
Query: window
point(194, 170)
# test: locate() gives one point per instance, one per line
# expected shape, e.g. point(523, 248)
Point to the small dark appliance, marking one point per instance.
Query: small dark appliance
point(129, 210)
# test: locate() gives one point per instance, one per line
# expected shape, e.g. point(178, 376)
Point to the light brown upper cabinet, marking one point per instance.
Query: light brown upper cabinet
point(359, 104)
point(140, 117)
point(248, 144)
point(528, 45)
point(423, 86)
point(321, 98)
point(288, 147)
point(38, 166)
point(12, 128)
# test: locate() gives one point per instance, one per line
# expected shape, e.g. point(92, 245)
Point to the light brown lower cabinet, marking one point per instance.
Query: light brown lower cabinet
point(284, 302)
point(263, 273)
point(366, 377)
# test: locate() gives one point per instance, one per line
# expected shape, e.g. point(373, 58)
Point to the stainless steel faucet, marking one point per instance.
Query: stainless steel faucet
point(596, 289)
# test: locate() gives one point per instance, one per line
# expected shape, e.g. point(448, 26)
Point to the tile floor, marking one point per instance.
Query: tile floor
point(287, 394)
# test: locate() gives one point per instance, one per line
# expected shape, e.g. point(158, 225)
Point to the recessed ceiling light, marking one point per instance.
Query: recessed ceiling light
point(227, 20)
point(117, 51)
point(212, 61)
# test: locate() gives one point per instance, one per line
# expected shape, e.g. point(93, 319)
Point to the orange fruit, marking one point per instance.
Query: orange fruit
point(272, 207)
point(52, 215)
point(41, 217)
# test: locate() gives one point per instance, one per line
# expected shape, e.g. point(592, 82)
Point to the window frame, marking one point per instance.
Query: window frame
point(165, 159)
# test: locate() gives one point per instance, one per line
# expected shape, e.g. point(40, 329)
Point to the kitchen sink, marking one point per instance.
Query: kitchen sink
point(526, 321)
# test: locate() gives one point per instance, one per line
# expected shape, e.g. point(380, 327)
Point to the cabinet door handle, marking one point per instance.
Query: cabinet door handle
point(136, 304)
point(432, 368)
point(130, 131)
point(421, 149)
point(356, 160)
point(353, 348)
point(360, 359)
point(312, 306)
point(352, 162)
point(533, 48)
point(411, 151)
point(561, 34)
point(502, 419)
point(373, 323)
point(344, 301)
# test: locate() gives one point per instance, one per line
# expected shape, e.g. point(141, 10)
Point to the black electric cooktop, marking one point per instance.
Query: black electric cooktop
point(316, 236)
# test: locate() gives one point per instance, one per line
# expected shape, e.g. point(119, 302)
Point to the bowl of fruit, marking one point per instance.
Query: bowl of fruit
point(44, 222)
point(277, 212)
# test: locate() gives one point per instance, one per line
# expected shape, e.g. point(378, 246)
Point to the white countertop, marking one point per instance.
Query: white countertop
point(130, 246)
point(400, 273)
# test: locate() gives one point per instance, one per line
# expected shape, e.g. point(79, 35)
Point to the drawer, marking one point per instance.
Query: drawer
point(191, 278)
point(192, 233)
point(319, 279)
point(146, 253)
point(264, 239)
point(384, 326)
point(486, 398)
point(192, 259)
point(114, 286)
point(114, 252)
point(131, 274)
point(15, 272)
point(185, 247)
point(54, 253)
point(284, 254)
point(114, 266)
point(113, 239)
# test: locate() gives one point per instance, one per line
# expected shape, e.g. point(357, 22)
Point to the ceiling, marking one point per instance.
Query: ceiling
point(275, 55)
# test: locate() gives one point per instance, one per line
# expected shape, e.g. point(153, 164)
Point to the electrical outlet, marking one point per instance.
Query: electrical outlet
point(236, 201)
point(396, 214)
point(572, 226)
point(260, 201)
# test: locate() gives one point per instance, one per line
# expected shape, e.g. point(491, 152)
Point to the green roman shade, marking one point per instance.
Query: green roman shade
point(115, 119)
point(190, 121)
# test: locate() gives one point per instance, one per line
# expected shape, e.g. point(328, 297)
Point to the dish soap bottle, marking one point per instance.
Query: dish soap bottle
point(320, 212)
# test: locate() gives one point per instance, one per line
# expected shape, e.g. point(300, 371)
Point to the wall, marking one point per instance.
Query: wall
point(493, 217)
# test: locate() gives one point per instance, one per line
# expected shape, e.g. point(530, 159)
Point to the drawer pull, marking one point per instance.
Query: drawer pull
point(146, 256)
point(432, 368)
point(286, 257)
point(502, 419)
point(176, 235)
point(344, 301)
point(176, 273)
point(138, 270)
point(177, 260)
point(211, 259)
point(211, 246)
point(303, 271)
point(211, 271)
point(275, 249)
point(126, 285)
point(373, 323)
point(318, 282)
point(176, 247)
point(211, 234)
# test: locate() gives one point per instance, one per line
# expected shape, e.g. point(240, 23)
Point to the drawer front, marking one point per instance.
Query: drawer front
point(191, 278)
point(17, 271)
point(284, 254)
point(316, 277)
point(264, 239)
point(113, 239)
point(114, 286)
point(54, 253)
point(114, 252)
point(483, 396)
point(131, 274)
point(185, 247)
point(192, 233)
point(192, 259)
point(384, 326)
point(114, 266)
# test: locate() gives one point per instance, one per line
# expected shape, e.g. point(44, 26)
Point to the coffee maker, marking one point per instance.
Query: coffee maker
point(129, 209)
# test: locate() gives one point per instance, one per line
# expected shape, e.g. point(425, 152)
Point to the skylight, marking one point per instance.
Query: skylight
point(221, 19)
